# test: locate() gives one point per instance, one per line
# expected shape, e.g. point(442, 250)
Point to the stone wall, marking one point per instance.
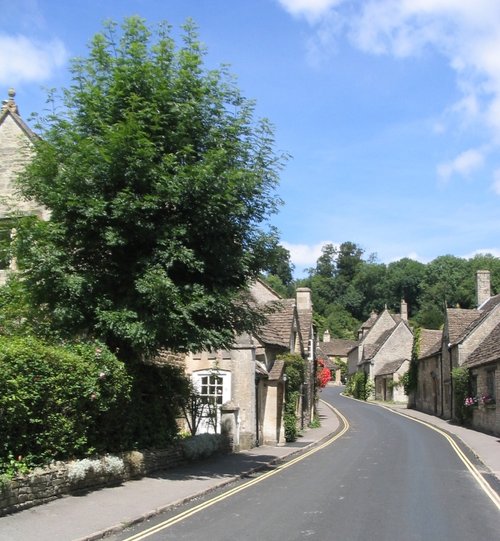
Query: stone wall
point(63, 478)
point(428, 398)
point(487, 417)
point(15, 152)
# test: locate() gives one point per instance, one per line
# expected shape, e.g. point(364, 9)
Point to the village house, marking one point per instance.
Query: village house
point(469, 340)
point(247, 382)
point(334, 352)
point(383, 352)
point(16, 140)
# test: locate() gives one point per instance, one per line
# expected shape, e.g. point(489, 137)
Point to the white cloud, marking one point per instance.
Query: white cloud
point(303, 255)
point(464, 164)
point(495, 252)
point(312, 10)
point(465, 32)
point(23, 59)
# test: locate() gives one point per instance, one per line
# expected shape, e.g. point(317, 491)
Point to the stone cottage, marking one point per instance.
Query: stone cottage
point(469, 339)
point(334, 351)
point(464, 331)
point(383, 352)
point(247, 382)
point(16, 140)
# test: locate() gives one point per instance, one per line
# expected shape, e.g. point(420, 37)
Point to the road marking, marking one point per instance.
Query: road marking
point(205, 505)
point(485, 486)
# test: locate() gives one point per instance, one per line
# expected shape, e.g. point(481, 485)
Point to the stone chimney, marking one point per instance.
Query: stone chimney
point(483, 286)
point(404, 310)
point(304, 301)
point(326, 336)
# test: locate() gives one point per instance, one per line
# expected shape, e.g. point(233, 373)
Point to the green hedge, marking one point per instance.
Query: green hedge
point(58, 402)
point(359, 386)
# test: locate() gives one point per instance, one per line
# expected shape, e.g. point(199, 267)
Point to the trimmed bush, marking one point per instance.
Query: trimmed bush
point(201, 446)
point(58, 402)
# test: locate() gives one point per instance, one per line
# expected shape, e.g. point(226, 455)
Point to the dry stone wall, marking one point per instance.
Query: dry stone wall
point(62, 478)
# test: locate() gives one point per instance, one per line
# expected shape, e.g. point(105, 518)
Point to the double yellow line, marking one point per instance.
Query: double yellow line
point(205, 505)
point(468, 464)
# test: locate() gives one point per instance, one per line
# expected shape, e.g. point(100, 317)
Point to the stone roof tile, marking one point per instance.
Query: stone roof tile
point(337, 347)
point(278, 326)
point(277, 370)
point(460, 322)
point(430, 342)
point(491, 303)
point(488, 351)
point(390, 367)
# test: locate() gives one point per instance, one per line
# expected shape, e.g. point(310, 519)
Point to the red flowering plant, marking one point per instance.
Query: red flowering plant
point(323, 375)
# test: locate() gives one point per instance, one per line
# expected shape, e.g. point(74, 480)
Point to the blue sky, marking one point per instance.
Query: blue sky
point(390, 109)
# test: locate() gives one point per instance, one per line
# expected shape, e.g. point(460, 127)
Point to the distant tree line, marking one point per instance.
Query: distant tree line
point(347, 286)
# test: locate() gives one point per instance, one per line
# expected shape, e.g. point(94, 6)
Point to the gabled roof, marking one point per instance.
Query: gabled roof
point(461, 322)
point(277, 329)
point(488, 351)
point(337, 347)
point(276, 372)
point(490, 303)
point(9, 109)
point(368, 324)
point(430, 342)
point(370, 350)
point(305, 326)
point(390, 367)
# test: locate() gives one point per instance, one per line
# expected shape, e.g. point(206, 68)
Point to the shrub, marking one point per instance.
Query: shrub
point(359, 386)
point(201, 446)
point(295, 370)
point(107, 465)
point(461, 381)
point(58, 402)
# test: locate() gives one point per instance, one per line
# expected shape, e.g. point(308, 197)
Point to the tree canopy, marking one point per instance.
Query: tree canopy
point(346, 288)
point(160, 182)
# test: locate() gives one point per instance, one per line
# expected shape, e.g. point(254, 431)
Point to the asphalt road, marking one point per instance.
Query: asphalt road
point(388, 478)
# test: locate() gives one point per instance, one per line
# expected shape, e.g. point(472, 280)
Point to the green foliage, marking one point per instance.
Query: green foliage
point(160, 182)
point(461, 382)
point(409, 379)
point(346, 288)
point(279, 265)
point(359, 386)
point(158, 392)
point(6, 227)
point(295, 370)
point(315, 423)
point(58, 401)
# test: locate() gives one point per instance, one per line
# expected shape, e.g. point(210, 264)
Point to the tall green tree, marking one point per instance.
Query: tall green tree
point(280, 265)
point(160, 182)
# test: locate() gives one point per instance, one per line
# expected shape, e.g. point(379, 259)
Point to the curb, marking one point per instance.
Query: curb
point(117, 528)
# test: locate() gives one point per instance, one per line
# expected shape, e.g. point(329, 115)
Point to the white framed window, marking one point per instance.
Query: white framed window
point(214, 388)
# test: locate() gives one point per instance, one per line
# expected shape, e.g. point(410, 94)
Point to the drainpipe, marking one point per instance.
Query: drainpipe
point(257, 413)
point(441, 383)
point(451, 382)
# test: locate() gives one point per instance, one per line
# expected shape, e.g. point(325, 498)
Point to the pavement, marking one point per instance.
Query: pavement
point(109, 510)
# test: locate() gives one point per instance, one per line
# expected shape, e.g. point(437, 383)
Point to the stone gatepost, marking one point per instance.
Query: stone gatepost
point(230, 424)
